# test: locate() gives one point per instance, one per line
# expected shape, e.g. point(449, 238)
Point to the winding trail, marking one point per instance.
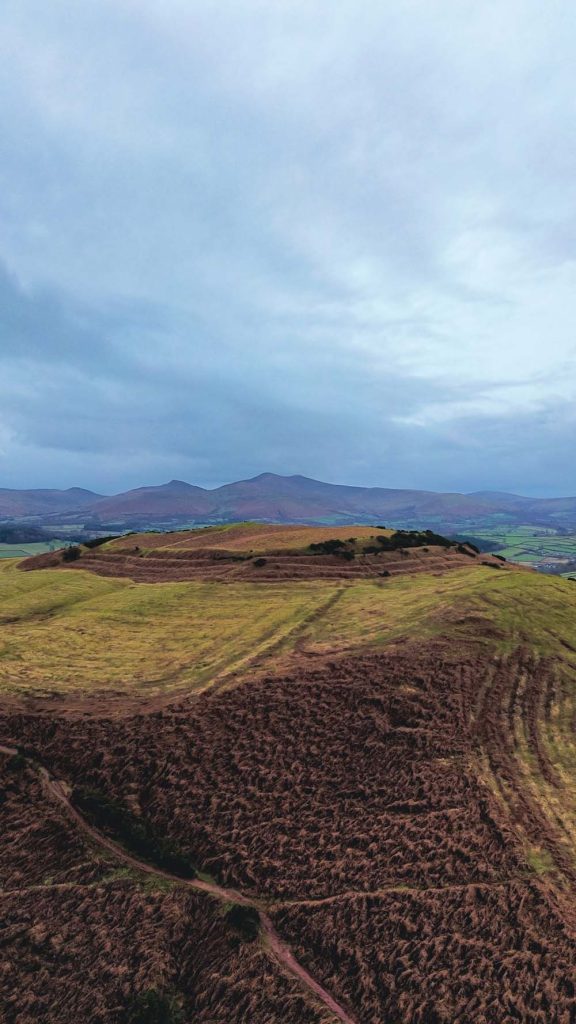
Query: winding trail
point(272, 942)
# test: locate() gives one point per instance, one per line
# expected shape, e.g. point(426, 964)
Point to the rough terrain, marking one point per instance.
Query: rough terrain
point(365, 832)
point(257, 553)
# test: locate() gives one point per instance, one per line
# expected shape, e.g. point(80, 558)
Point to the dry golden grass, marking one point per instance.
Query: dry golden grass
point(255, 537)
point(72, 630)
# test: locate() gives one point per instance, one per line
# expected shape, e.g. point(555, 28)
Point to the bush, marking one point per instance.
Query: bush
point(245, 920)
point(71, 554)
point(134, 833)
point(16, 763)
point(259, 562)
point(151, 1007)
point(328, 547)
point(413, 539)
point(465, 550)
point(95, 542)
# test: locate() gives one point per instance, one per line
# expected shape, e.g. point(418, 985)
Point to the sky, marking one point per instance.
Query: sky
point(333, 239)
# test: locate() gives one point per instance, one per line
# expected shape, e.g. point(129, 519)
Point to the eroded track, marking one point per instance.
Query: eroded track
point(272, 942)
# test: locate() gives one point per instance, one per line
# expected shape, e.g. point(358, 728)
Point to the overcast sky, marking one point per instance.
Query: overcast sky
point(335, 239)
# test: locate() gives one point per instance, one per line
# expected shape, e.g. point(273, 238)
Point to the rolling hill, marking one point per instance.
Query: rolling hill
point(273, 498)
point(317, 775)
point(45, 501)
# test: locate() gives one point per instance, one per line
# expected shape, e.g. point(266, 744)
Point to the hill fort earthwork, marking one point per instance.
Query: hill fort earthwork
point(540, 532)
point(263, 773)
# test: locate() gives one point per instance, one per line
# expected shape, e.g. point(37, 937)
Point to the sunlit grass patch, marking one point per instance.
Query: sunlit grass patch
point(249, 537)
point(70, 630)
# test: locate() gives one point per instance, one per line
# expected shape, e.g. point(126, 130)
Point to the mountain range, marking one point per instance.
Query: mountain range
point(273, 498)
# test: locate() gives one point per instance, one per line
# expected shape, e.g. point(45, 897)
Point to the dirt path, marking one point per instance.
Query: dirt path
point(270, 656)
point(282, 952)
point(395, 887)
point(272, 942)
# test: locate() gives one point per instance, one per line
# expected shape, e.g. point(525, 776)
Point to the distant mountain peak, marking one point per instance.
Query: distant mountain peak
point(263, 476)
point(83, 490)
point(272, 497)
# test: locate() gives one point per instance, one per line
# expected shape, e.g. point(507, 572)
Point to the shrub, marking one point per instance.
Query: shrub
point(465, 550)
point(151, 1007)
point(245, 920)
point(259, 562)
point(16, 763)
point(134, 833)
point(328, 547)
point(71, 554)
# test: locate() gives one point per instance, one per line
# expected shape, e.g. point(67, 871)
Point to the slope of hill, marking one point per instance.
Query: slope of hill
point(176, 498)
point(336, 800)
point(258, 553)
point(273, 498)
point(38, 502)
point(293, 498)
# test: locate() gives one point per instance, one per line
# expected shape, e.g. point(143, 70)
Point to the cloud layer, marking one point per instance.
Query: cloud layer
point(334, 240)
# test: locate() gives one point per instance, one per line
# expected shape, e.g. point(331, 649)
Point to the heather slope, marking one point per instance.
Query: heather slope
point(380, 768)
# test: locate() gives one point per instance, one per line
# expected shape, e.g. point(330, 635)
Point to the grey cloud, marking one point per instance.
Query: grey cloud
point(282, 236)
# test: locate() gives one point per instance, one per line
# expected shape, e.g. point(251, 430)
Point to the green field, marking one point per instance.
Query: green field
point(540, 547)
point(23, 550)
point(70, 630)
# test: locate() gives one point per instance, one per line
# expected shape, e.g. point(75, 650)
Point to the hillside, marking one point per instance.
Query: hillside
point(273, 498)
point(296, 498)
point(39, 502)
point(339, 795)
point(254, 552)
